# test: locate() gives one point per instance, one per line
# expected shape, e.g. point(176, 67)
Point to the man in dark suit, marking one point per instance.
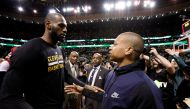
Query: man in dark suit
point(72, 101)
point(96, 77)
point(71, 65)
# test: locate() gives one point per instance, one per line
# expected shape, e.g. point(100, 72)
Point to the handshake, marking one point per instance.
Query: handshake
point(76, 89)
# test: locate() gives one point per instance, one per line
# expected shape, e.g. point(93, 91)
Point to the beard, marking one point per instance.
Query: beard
point(57, 37)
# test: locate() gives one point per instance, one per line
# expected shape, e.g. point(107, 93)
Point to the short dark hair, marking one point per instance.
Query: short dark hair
point(51, 16)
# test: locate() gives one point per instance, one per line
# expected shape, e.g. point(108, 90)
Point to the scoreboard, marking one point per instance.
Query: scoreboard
point(186, 27)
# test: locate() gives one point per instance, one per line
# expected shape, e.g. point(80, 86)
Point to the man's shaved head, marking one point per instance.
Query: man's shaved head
point(53, 17)
point(135, 40)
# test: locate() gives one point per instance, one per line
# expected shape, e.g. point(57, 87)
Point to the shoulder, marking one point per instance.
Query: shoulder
point(28, 51)
point(33, 41)
point(31, 45)
point(104, 69)
point(135, 79)
point(67, 64)
point(146, 85)
point(139, 84)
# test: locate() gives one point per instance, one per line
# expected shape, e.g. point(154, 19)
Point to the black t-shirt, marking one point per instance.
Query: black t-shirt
point(161, 76)
point(165, 86)
point(36, 70)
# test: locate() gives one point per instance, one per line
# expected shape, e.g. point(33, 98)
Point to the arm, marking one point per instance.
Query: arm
point(98, 96)
point(11, 94)
point(178, 59)
point(70, 79)
point(162, 60)
point(93, 92)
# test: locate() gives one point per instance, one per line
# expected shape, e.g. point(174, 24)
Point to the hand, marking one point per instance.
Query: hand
point(187, 101)
point(94, 88)
point(153, 51)
point(73, 89)
point(171, 52)
point(76, 89)
point(145, 57)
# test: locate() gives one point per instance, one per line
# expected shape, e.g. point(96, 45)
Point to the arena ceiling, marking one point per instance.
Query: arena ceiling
point(9, 8)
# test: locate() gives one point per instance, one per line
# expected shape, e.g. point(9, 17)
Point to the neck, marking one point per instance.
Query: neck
point(124, 63)
point(96, 65)
point(47, 39)
point(71, 62)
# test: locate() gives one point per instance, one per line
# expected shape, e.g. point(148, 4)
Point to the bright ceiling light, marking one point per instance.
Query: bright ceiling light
point(86, 8)
point(20, 9)
point(108, 7)
point(120, 5)
point(129, 3)
point(89, 7)
point(77, 10)
point(64, 10)
point(149, 3)
point(136, 2)
point(35, 11)
point(152, 4)
point(69, 9)
point(145, 3)
point(52, 11)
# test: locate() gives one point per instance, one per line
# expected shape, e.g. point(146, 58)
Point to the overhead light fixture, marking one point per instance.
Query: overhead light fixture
point(136, 2)
point(152, 4)
point(52, 10)
point(129, 3)
point(77, 10)
point(86, 8)
point(108, 6)
point(35, 11)
point(20, 8)
point(120, 5)
point(69, 9)
point(149, 4)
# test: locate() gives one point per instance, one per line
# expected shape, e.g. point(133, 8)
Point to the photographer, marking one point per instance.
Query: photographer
point(161, 71)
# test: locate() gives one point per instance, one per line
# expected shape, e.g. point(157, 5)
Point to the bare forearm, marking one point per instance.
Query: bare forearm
point(93, 95)
point(169, 67)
